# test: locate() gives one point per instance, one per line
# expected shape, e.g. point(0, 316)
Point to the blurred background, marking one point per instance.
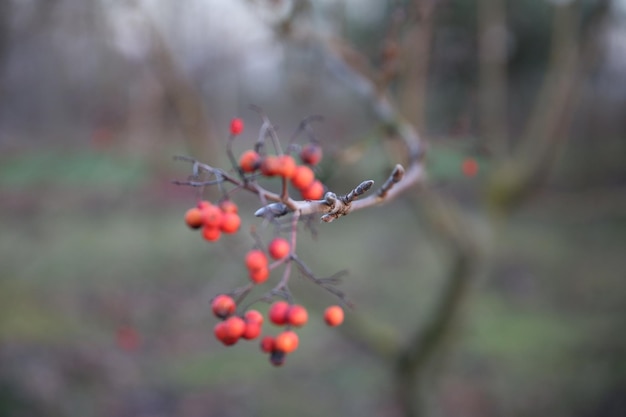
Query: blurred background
point(104, 292)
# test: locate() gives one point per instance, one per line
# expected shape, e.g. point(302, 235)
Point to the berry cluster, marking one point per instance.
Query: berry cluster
point(301, 177)
point(214, 219)
point(262, 259)
point(248, 326)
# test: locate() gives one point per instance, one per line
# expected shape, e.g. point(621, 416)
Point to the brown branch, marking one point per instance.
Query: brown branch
point(492, 57)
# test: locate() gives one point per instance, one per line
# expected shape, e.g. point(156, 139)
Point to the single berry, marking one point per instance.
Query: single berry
point(212, 215)
point(127, 338)
point(311, 154)
point(235, 326)
point(287, 166)
point(297, 315)
point(333, 316)
point(277, 358)
point(469, 167)
point(204, 204)
point(236, 126)
point(286, 341)
point(315, 191)
point(256, 259)
point(228, 206)
point(223, 306)
point(251, 331)
point(211, 233)
point(302, 177)
point(279, 248)
point(230, 222)
point(253, 316)
point(267, 344)
point(221, 333)
point(249, 161)
point(193, 218)
point(270, 166)
point(278, 312)
point(259, 276)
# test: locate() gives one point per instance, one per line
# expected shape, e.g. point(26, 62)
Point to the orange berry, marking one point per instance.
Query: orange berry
point(287, 166)
point(193, 218)
point(230, 222)
point(212, 215)
point(253, 316)
point(302, 177)
point(286, 341)
point(251, 331)
point(333, 316)
point(267, 344)
point(236, 126)
point(297, 315)
point(311, 154)
point(469, 167)
point(259, 276)
point(223, 306)
point(211, 233)
point(315, 191)
point(278, 312)
point(228, 206)
point(256, 259)
point(270, 166)
point(277, 358)
point(279, 248)
point(249, 161)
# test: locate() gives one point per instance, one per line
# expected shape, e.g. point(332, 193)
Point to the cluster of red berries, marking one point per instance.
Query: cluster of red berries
point(302, 177)
point(232, 328)
point(223, 217)
point(214, 219)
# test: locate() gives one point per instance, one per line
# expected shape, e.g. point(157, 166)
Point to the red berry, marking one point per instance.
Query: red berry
point(249, 161)
point(203, 204)
point(270, 166)
point(315, 191)
point(230, 222)
point(212, 215)
point(333, 316)
point(256, 259)
point(236, 126)
point(223, 306)
point(251, 331)
point(286, 341)
point(278, 312)
point(253, 316)
point(193, 218)
point(297, 315)
point(211, 233)
point(221, 333)
point(235, 326)
point(311, 154)
point(302, 177)
point(259, 276)
point(279, 248)
point(267, 344)
point(287, 166)
point(469, 167)
point(127, 338)
point(228, 206)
